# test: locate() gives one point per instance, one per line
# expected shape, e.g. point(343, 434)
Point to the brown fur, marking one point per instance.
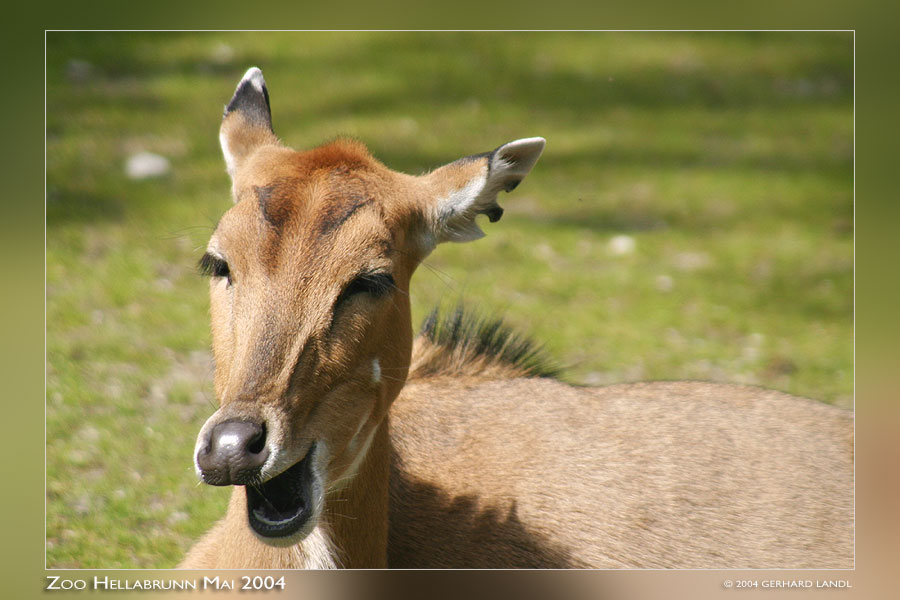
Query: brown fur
point(475, 465)
point(535, 473)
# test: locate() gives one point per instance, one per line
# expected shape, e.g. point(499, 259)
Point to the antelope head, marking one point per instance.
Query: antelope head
point(309, 282)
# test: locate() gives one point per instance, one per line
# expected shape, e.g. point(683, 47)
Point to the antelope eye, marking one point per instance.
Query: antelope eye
point(214, 266)
point(373, 284)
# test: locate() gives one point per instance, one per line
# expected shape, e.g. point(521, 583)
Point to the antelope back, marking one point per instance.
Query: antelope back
point(531, 472)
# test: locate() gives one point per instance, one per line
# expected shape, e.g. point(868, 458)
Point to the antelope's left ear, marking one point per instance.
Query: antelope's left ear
point(468, 187)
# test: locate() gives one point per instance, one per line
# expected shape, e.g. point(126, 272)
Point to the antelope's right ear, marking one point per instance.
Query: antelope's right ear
point(247, 123)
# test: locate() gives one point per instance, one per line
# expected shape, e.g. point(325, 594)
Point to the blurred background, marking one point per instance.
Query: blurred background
point(691, 218)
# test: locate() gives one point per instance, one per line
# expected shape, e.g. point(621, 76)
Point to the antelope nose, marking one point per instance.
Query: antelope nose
point(234, 453)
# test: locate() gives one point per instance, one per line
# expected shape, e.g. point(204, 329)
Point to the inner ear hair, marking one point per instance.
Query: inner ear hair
point(507, 167)
point(471, 187)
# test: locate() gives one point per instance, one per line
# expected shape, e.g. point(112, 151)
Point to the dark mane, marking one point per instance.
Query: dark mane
point(466, 343)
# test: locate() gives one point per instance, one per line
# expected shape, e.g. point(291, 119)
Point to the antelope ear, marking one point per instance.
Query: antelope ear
point(247, 123)
point(469, 187)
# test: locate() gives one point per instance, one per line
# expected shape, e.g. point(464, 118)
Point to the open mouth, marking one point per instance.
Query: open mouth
point(281, 506)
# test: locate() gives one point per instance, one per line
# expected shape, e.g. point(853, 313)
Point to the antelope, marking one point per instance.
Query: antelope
point(349, 443)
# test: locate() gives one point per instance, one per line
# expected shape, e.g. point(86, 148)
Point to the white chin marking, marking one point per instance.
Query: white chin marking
point(376, 371)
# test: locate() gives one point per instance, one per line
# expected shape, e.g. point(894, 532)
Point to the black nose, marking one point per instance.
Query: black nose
point(234, 453)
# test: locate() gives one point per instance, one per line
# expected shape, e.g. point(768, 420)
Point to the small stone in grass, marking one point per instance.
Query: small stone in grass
point(145, 165)
point(621, 244)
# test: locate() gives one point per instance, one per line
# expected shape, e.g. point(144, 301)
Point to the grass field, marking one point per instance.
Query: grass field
point(691, 218)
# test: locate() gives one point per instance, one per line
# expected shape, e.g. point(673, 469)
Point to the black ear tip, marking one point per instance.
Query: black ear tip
point(251, 96)
point(494, 214)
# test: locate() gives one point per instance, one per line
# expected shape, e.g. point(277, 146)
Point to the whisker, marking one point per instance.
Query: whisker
point(337, 514)
point(445, 278)
point(383, 376)
point(256, 485)
point(394, 286)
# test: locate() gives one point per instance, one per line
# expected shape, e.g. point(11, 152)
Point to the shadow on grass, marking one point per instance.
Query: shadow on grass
point(519, 73)
point(69, 206)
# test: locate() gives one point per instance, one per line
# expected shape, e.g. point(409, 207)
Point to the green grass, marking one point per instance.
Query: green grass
point(726, 158)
